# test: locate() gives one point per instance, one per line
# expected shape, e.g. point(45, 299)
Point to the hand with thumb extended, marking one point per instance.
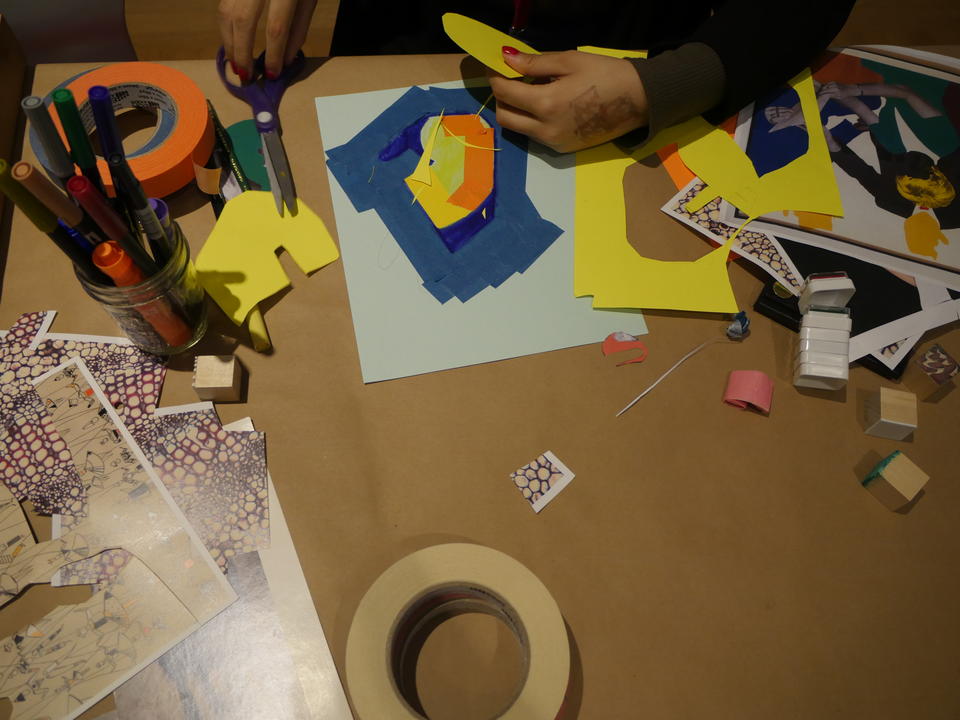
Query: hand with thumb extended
point(576, 100)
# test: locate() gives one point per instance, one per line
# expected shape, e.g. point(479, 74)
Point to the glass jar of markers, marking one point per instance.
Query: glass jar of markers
point(164, 313)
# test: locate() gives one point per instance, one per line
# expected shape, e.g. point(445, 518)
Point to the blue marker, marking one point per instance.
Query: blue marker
point(103, 116)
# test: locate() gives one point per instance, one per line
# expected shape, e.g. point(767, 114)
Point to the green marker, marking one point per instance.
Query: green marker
point(80, 147)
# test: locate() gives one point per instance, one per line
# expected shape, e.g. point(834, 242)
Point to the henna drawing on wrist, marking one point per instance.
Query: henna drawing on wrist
point(593, 117)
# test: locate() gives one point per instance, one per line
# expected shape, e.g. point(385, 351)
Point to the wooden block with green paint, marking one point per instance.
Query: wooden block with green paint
point(895, 481)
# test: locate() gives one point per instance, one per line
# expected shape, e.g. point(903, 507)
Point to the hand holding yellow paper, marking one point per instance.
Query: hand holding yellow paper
point(238, 264)
point(605, 264)
point(483, 42)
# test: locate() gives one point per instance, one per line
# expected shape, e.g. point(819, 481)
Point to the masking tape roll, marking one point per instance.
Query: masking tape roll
point(184, 133)
point(417, 593)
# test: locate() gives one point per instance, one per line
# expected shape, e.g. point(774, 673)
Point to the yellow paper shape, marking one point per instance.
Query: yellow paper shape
point(807, 183)
point(922, 233)
point(483, 42)
point(421, 173)
point(238, 264)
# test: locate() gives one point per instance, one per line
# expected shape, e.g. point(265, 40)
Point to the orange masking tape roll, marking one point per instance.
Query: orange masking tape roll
point(184, 134)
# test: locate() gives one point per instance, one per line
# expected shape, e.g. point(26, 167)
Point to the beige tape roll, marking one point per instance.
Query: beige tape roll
point(425, 588)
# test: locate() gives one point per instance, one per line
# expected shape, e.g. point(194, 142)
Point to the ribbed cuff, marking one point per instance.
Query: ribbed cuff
point(679, 84)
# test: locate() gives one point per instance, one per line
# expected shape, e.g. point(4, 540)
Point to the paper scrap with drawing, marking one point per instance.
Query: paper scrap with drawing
point(238, 264)
point(449, 187)
point(541, 480)
point(130, 378)
point(938, 364)
point(218, 478)
point(198, 679)
point(893, 130)
point(760, 248)
point(172, 588)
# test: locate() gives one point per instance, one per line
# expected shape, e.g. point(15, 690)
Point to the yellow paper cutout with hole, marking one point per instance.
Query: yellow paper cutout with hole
point(483, 42)
point(238, 265)
point(606, 266)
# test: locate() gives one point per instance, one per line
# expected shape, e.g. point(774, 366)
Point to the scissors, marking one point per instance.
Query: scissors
point(263, 96)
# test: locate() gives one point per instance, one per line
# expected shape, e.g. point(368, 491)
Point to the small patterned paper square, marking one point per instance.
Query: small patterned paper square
point(540, 480)
point(938, 364)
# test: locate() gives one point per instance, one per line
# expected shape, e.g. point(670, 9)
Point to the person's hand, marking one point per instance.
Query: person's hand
point(834, 89)
point(286, 29)
point(579, 99)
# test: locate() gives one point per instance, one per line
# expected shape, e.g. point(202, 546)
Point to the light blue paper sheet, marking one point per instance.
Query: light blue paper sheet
point(402, 330)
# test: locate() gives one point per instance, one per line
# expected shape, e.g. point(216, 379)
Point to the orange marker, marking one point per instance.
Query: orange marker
point(113, 261)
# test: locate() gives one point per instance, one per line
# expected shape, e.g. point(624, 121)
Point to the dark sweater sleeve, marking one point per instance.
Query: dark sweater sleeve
point(741, 52)
point(762, 46)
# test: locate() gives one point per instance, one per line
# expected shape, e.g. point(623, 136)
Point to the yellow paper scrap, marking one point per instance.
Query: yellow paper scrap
point(238, 264)
point(806, 184)
point(483, 42)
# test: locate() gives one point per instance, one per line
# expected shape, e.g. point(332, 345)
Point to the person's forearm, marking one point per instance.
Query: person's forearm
point(757, 57)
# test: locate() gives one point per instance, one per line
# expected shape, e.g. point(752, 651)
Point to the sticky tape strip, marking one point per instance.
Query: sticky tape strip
point(184, 133)
point(422, 590)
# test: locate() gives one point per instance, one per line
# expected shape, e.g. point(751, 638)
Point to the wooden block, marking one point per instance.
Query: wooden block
point(217, 378)
point(891, 414)
point(895, 481)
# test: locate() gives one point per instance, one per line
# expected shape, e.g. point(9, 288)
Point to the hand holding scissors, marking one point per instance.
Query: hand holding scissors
point(263, 95)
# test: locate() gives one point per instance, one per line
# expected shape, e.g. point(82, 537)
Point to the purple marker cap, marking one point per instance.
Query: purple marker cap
point(160, 209)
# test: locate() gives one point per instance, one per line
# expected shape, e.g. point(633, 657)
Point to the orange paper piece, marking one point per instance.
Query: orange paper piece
point(621, 342)
point(749, 388)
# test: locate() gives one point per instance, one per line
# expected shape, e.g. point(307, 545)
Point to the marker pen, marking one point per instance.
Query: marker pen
point(129, 188)
point(58, 159)
point(96, 205)
point(113, 261)
point(80, 146)
point(106, 122)
point(58, 203)
point(46, 222)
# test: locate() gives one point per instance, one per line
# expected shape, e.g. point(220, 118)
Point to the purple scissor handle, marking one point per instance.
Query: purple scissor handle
point(263, 96)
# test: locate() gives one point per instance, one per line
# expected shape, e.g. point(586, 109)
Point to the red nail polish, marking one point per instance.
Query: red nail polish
point(271, 75)
point(244, 75)
point(507, 50)
point(233, 66)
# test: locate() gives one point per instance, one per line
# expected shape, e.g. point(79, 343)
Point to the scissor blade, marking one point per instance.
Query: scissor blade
point(278, 169)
